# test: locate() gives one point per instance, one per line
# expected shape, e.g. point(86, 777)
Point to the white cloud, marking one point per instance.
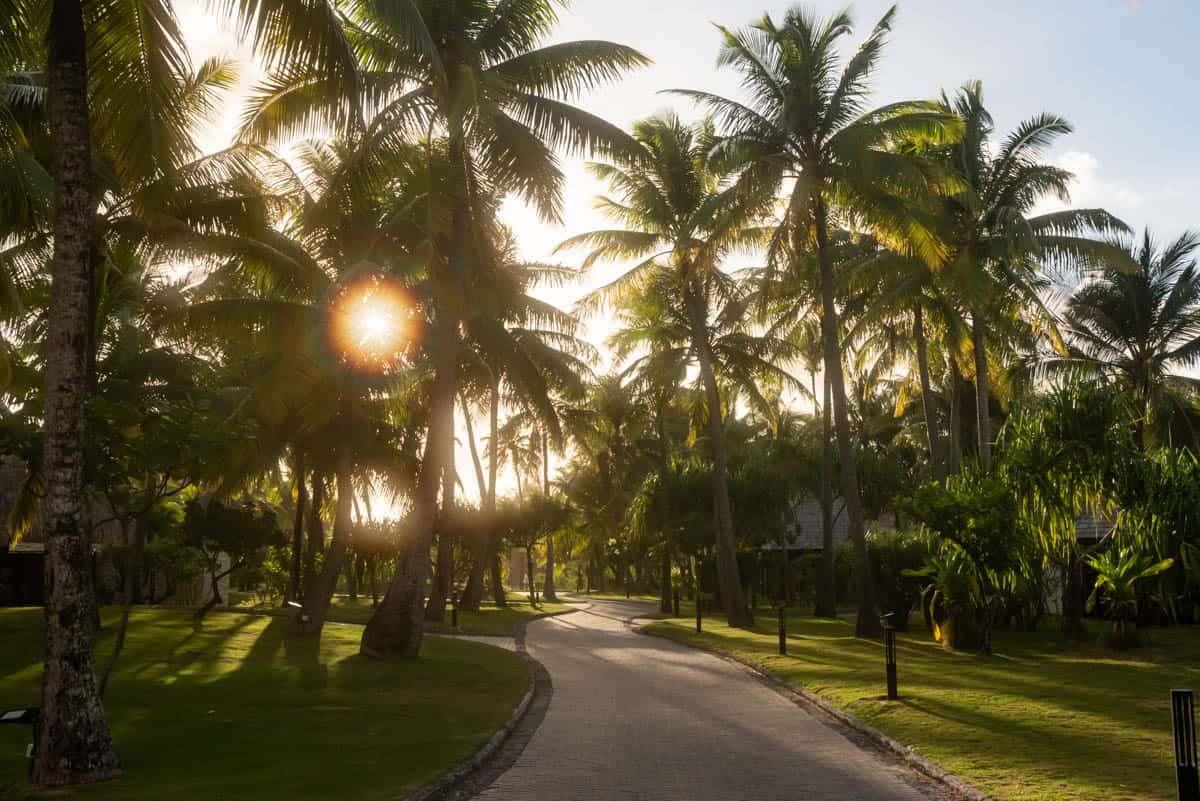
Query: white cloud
point(1091, 189)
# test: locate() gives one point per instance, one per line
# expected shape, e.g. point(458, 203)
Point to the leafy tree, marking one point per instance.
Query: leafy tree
point(239, 531)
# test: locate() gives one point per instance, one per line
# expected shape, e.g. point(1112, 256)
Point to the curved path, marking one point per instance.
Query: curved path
point(637, 718)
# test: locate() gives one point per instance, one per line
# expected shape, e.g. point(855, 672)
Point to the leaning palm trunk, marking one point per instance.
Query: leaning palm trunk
point(867, 623)
point(730, 583)
point(955, 459)
point(826, 587)
point(982, 400)
point(398, 625)
point(317, 603)
point(931, 427)
point(73, 744)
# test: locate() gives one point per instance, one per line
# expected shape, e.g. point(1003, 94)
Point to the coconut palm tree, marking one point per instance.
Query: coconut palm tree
point(808, 131)
point(1139, 329)
point(678, 221)
point(996, 245)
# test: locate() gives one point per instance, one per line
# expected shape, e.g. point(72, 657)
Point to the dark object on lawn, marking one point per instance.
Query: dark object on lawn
point(454, 609)
point(293, 609)
point(676, 602)
point(30, 716)
point(699, 604)
point(1183, 720)
point(783, 629)
point(889, 653)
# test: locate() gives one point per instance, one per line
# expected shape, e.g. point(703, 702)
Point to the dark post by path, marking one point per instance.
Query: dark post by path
point(676, 602)
point(783, 628)
point(889, 653)
point(699, 600)
point(1183, 722)
point(454, 609)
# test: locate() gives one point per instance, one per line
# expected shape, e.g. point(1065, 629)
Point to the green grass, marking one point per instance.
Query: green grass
point(493, 621)
point(1044, 719)
point(239, 710)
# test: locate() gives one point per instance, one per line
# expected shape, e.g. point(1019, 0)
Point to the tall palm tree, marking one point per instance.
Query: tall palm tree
point(807, 130)
point(996, 245)
point(1139, 329)
point(679, 222)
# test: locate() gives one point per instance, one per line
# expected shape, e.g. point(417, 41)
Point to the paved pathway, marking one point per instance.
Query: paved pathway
point(638, 718)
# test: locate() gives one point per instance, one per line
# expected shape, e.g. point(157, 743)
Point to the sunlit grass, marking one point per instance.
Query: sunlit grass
point(490, 620)
point(240, 710)
point(1045, 719)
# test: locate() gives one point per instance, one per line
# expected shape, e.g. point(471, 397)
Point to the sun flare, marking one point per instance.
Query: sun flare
point(374, 322)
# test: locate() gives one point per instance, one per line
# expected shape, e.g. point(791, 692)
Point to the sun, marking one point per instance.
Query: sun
point(374, 322)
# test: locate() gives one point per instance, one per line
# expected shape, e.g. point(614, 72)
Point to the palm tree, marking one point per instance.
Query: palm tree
point(679, 222)
point(1139, 329)
point(996, 246)
point(808, 131)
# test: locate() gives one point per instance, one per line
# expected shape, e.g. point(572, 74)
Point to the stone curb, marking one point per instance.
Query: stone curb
point(458, 774)
point(803, 697)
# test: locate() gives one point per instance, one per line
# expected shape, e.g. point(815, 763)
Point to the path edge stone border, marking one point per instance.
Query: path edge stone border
point(803, 697)
point(477, 761)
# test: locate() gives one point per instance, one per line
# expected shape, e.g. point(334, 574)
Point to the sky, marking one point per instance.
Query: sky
point(1123, 72)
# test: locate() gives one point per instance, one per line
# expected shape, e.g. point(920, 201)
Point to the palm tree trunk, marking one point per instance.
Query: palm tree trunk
point(317, 603)
point(931, 426)
point(826, 584)
point(435, 607)
point(736, 612)
point(315, 530)
point(479, 535)
point(955, 419)
point(73, 745)
point(297, 563)
point(473, 593)
point(982, 404)
point(548, 586)
point(398, 625)
point(497, 577)
point(666, 599)
point(867, 623)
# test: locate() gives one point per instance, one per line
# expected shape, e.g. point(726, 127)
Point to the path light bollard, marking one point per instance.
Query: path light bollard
point(783, 629)
point(1183, 722)
point(889, 654)
point(698, 603)
point(676, 602)
point(30, 716)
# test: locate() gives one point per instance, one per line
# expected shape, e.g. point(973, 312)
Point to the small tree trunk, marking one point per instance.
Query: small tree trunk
point(666, 596)
point(294, 574)
point(826, 584)
point(74, 745)
point(371, 565)
point(472, 595)
point(867, 623)
point(529, 571)
point(131, 568)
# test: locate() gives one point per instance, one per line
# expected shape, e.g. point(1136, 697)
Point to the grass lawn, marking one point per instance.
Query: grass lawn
point(489, 620)
point(238, 710)
point(1042, 720)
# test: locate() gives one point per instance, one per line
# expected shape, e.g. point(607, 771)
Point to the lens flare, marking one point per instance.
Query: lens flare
point(373, 322)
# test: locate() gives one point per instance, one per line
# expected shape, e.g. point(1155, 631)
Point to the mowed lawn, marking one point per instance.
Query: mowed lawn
point(1044, 719)
point(490, 620)
point(240, 710)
